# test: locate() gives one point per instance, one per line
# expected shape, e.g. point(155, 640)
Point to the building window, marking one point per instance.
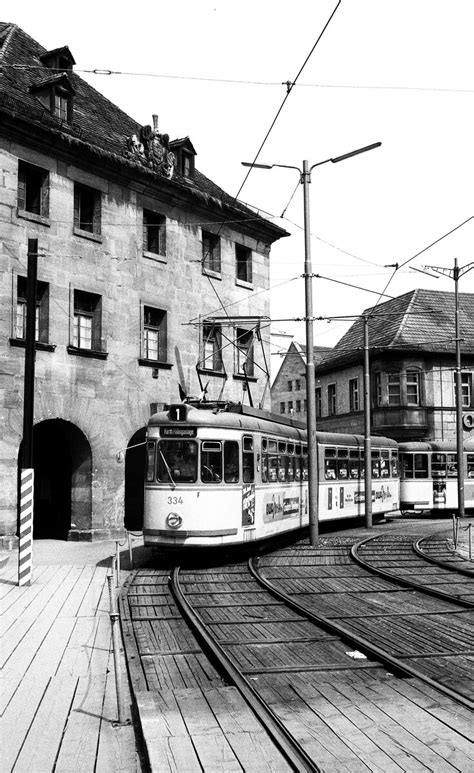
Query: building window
point(33, 189)
point(243, 262)
point(290, 386)
point(41, 311)
point(61, 105)
point(353, 395)
point(211, 252)
point(413, 387)
point(290, 406)
point(244, 352)
point(154, 334)
point(466, 390)
point(87, 209)
point(211, 353)
point(154, 232)
point(331, 399)
point(87, 324)
point(282, 407)
point(319, 402)
point(394, 389)
point(297, 385)
point(298, 406)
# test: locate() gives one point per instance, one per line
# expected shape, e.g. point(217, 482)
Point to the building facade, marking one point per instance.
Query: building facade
point(136, 251)
point(411, 342)
point(289, 387)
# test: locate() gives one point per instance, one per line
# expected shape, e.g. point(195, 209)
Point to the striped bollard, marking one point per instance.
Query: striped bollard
point(25, 548)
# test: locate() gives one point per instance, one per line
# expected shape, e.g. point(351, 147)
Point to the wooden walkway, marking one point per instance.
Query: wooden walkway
point(58, 697)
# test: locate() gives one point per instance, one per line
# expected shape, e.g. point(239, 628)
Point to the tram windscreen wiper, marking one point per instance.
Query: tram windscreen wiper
point(173, 484)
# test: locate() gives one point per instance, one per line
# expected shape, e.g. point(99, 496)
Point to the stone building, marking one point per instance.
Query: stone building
point(289, 387)
point(137, 250)
point(412, 367)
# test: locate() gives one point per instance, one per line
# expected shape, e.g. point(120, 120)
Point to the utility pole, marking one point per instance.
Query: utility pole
point(367, 443)
point(25, 546)
point(456, 273)
point(305, 179)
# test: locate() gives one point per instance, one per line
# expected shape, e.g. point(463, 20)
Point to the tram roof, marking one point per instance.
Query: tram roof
point(449, 446)
point(238, 416)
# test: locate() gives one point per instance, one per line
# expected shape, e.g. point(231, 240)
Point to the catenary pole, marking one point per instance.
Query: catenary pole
point(25, 543)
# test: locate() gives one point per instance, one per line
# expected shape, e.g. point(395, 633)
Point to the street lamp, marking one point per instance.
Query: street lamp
point(305, 179)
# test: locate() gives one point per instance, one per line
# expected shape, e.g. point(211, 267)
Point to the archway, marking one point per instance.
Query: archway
point(62, 462)
point(135, 459)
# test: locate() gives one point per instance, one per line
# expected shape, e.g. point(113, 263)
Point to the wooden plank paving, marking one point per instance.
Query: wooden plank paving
point(58, 696)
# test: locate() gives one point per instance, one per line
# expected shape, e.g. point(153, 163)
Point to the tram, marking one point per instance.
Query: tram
point(429, 476)
point(226, 474)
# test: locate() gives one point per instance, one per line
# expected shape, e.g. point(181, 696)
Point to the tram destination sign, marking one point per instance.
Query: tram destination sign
point(178, 431)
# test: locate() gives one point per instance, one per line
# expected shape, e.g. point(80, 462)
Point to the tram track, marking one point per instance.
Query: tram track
point(308, 637)
point(401, 558)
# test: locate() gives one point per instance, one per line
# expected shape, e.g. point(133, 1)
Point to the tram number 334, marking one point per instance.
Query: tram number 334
point(175, 500)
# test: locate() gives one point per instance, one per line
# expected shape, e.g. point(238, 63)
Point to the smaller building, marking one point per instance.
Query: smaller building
point(288, 391)
point(412, 354)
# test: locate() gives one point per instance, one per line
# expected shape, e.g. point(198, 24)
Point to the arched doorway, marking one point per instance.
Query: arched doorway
point(135, 459)
point(62, 462)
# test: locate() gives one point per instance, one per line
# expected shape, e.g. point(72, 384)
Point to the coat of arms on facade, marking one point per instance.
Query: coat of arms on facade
point(152, 149)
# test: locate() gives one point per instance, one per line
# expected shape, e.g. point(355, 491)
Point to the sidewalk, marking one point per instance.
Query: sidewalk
point(58, 696)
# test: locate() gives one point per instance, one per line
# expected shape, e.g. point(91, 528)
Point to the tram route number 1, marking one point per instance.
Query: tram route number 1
point(175, 500)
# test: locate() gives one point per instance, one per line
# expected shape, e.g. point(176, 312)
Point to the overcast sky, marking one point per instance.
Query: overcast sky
point(396, 71)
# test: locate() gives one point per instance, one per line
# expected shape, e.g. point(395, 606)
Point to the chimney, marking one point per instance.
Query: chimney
point(155, 122)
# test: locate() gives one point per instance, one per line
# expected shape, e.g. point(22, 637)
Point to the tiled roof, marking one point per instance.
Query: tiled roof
point(98, 125)
point(420, 320)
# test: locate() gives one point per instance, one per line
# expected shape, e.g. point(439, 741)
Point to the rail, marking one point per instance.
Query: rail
point(285, 742)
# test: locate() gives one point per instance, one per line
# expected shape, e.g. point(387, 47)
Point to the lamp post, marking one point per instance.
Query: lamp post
point(455, 273)
point(305, 179)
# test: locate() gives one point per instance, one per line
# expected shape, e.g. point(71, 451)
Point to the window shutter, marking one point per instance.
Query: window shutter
point(96, 216)
point(97, 327)
point(44, 196)
point(21, 188)
point(163, 339)
point(77, 207)
point(145, 232)
point(163, 237)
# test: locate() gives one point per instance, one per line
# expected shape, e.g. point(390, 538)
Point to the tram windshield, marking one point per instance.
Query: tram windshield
point(177, 461)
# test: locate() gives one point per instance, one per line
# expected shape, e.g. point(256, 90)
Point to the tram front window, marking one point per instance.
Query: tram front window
point(211, 461)
point(177, 461)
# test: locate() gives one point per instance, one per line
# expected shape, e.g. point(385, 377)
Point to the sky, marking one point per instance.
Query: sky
point(399, 72)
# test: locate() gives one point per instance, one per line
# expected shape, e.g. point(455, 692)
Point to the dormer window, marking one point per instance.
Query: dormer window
point(58, 59)
point(56, 95)
point(185, 153)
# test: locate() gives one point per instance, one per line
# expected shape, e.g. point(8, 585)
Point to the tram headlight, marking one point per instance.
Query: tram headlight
point(174, 520)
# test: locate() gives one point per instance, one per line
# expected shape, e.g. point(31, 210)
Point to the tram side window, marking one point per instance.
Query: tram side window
point(354, 468)
point(385, 464)
point(330, 464)
point(231, 461)
point(394, 470)
point(470, 466)
point(407, 465)
point(375, 464)
point(342, 464)
point(282, 464)
point(452, 464)
point(421, 465)
point(211, 461)
point(438, 465)
point(177, 461)
point(248, 460)
point(264, 461)
point(298, 463)
point(304, 464)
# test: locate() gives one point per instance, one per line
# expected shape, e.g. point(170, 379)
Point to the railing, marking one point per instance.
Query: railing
point(456, 529)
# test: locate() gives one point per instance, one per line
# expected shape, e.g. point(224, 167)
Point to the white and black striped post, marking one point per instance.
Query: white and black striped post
point(25, 546)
